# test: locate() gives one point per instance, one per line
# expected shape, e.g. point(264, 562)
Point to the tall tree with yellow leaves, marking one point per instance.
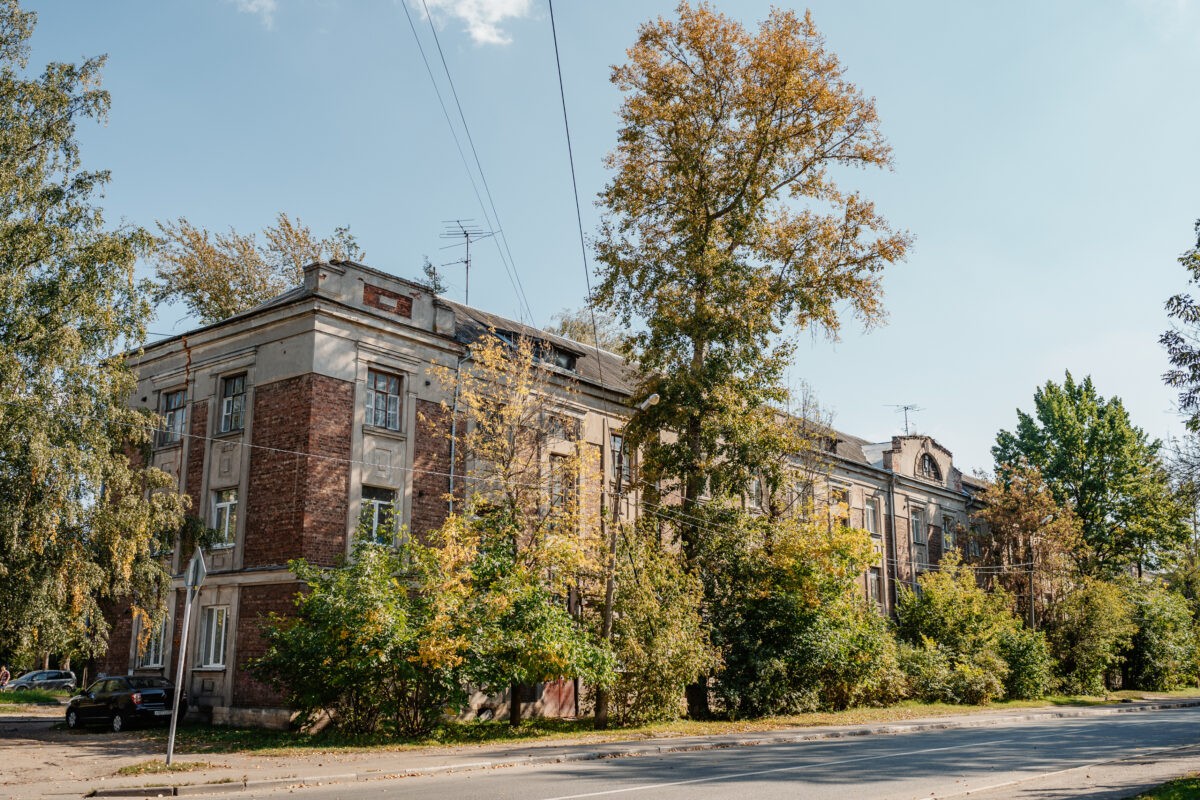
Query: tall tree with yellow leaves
point(725, 230)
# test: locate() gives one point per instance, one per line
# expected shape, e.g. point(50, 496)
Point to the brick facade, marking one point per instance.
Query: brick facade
point(296, 505)
point(196, 445)
point(431, 465)
point(255, 603)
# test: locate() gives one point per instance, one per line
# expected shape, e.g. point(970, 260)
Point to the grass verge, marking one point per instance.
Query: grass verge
point(200, 738)
point(30, 697)
point(159, 766)
point(1187, 788)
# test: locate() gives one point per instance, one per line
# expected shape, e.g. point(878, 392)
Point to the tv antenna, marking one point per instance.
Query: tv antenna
point(468, 232)
point(906, 407)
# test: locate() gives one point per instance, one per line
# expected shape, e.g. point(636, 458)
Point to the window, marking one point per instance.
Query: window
point(974, 550)
point(948, 537)
point(871, 516)
point(377, 517)
point(755, 493)
point(225, 513)
point(927, 468)
point(212, 636)
point(233, 403)
point(875, 586)
point(152, 654)
point(917, 521)
point(383, 400)
point(839, 506)
point(174, 414)
point(561, 484)
point(619, 454)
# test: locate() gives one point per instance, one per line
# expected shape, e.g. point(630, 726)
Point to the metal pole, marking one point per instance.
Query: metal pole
point(187, 613)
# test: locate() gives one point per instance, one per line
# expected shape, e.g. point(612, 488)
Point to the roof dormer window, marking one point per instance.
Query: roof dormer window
point(927, 468)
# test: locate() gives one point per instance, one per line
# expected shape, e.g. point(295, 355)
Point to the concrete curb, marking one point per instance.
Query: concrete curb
point(623, 750)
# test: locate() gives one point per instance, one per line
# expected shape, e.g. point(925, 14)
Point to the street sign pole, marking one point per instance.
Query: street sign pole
point(196, 572)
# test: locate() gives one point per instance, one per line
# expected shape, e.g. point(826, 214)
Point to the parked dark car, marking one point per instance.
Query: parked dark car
point(51, 679)
point(122, 701)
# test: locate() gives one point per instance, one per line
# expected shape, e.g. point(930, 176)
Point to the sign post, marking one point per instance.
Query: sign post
point(194, 579)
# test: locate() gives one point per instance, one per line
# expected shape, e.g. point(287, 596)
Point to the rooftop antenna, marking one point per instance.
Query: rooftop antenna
point(906, 407)
point(468, 232)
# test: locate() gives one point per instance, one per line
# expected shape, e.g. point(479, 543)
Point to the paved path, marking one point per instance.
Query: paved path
point(36, 761)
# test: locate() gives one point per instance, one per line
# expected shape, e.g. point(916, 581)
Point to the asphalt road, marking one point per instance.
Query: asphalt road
point(1100, 757)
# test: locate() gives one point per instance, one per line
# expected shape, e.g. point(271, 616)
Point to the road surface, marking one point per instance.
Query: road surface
point(1100, 757)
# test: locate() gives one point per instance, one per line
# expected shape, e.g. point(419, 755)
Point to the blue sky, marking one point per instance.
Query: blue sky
point(1044, 161)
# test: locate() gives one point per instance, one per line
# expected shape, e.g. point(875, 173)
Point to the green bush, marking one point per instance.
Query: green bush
point(660, 641)
point(954, 632)
point(1162, 653)
point(1030, 665)
point(937, 675)
point(1089, 630)
point(364, 646)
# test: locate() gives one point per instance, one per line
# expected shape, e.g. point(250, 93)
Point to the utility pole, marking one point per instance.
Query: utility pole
point(464, 230)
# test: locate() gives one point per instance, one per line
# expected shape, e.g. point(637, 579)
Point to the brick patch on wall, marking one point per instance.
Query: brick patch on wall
point(387, 300)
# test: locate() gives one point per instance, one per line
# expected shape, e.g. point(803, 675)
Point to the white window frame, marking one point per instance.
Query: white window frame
point(225, 516)
point(233, 406)
point(152, 656)
point(213, 633)
point(871, 515)
point(373, 507)
point(383, 407)
point(875, 586)
point(618, 450)
point(174, 417)
point(835, 517)
point(949, 539)
point(919, 526)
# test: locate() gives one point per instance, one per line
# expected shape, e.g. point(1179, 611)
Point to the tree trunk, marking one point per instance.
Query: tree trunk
point(697, 699)
point(514, 704)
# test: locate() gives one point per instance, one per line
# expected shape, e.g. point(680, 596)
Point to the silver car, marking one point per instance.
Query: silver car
point(43, 679)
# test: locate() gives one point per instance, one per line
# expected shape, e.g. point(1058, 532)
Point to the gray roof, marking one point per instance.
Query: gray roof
point(594, 365)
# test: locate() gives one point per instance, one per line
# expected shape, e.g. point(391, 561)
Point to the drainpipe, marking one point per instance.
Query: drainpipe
point(454, 422)
point(894, 561)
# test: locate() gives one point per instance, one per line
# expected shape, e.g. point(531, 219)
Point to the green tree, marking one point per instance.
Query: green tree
point(1102, 467)
point(219, 275)
point(1182, 341)
point(79, 524)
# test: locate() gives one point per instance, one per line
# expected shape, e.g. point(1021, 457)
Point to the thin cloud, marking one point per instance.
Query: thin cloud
point(482, 18)
point(263, 9)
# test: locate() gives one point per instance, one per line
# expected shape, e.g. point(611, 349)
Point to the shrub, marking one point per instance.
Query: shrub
point(661, 643)
point(1162, 653)
point(936, 675)
point(1089, 630)
point(364, 645)
point(1030, 665)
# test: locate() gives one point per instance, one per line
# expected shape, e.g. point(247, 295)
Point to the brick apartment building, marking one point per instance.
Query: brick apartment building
point(290, 423)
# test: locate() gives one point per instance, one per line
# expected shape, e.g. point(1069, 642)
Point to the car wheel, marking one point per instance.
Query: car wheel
point(118, 722)
point(72, 719)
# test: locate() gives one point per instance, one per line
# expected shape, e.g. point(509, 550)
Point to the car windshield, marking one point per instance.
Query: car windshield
point(149, 683)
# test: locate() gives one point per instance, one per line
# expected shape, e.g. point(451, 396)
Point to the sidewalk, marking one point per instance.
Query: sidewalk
point(41, 763)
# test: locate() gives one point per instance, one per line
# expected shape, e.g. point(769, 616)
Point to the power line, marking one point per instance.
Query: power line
point(522, 303)
point(587, 277)
point(498, 227)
